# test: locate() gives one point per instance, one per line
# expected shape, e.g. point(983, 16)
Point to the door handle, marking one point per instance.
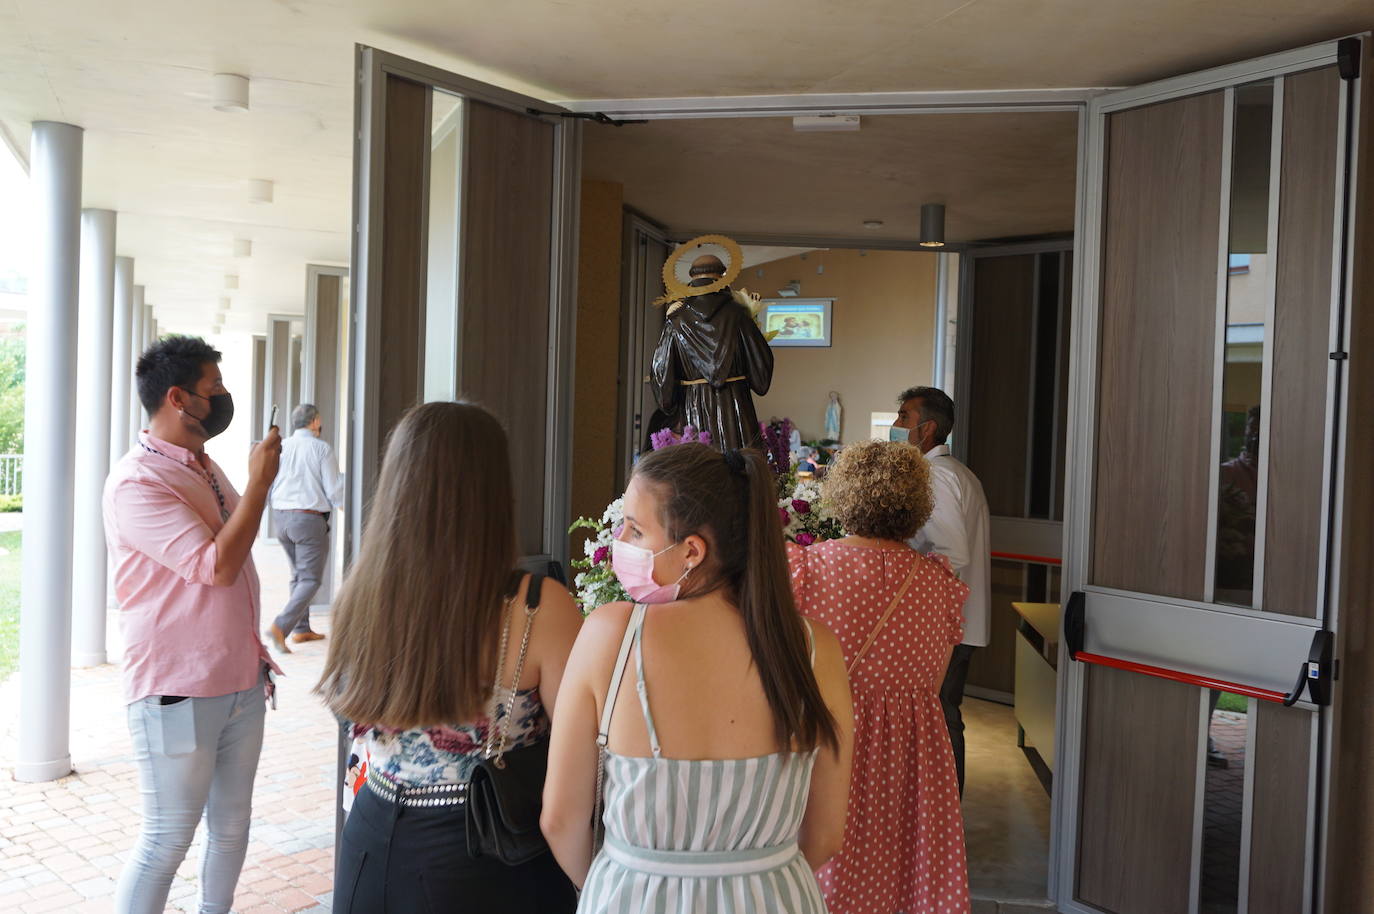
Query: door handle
point(1316, 674)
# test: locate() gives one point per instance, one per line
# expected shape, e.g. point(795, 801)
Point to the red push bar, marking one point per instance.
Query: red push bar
point(1019, 557)
point(1205, 682)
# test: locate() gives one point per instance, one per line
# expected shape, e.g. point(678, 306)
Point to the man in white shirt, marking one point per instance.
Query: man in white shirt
point(307, 488)
point(958, 530)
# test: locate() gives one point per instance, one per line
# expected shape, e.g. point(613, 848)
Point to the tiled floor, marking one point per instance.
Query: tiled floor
point(1006, 811)
point(62, 843)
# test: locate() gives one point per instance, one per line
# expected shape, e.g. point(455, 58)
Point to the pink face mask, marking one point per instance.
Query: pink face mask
point(634, 566)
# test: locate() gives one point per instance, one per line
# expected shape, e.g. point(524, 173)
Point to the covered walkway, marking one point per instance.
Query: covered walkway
point(63, 842)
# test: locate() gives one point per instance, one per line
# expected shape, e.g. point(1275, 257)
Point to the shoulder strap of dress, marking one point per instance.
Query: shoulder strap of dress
point(811, 639)
point(887, 613)
point(603, 735)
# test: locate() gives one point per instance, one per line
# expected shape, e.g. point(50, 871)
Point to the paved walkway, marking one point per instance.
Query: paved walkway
point(62, 844)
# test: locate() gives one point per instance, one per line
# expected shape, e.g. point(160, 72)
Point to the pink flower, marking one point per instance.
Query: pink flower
point(784, 516)
point(615, 534)
point(600, 554)
point(805, 539)
point(801, 506)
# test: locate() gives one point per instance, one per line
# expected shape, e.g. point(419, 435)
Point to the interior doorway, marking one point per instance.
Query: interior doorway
point(901, 315)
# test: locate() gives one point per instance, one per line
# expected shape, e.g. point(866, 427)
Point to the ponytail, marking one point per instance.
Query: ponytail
point(751, 560)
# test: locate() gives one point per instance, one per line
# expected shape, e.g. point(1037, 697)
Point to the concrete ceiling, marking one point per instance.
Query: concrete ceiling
point(137, 76)
point(998, 175)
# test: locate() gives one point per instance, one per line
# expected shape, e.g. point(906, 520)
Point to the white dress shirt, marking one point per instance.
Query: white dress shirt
point(958, 530)
point(309, 478)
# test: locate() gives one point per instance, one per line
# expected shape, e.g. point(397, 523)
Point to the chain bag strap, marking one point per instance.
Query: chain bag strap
point(505, 795)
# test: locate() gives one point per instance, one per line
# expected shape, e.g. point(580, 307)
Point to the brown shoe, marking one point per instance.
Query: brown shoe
point(302, 637)
point(278, 639)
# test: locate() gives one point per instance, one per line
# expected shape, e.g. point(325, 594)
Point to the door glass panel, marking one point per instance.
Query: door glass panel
point(1248, 284)
point(441, 287)
point(1228, 727)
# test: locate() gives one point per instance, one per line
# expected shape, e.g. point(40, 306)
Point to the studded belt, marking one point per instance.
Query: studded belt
point(428, 795)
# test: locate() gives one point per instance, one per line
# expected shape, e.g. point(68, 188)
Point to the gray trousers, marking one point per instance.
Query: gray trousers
point(305, 537)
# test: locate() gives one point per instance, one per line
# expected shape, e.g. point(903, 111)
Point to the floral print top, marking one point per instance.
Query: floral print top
point(448, 754)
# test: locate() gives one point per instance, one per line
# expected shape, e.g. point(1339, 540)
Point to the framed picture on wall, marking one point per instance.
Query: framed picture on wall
point(797, 321)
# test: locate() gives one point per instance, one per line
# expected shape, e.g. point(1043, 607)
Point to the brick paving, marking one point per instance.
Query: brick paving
point(1221, 821)
point(63, 843)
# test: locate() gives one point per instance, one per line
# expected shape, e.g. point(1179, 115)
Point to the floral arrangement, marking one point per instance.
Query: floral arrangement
point(801, 511)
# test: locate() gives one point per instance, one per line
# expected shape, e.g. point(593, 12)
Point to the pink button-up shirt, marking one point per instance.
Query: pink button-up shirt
point(183, 635)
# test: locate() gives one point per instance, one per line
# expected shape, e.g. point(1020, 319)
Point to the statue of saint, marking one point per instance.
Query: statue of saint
point(711, 358)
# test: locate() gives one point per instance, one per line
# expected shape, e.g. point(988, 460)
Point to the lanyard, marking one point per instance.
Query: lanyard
point(205, 474)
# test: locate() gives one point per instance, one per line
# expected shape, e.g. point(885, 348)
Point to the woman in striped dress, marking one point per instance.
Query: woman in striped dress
point(727, 761)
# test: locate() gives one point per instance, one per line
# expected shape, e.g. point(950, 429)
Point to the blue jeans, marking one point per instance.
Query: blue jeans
point(195, 756)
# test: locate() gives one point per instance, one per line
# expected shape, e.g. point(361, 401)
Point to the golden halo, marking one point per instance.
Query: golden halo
point(678, 289)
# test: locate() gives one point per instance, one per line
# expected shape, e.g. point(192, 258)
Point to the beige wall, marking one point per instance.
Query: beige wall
point(882, 332)
point(598, 349)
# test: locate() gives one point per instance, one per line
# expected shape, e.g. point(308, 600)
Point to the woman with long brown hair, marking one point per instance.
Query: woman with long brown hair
point(428, 661)
point(726, 764)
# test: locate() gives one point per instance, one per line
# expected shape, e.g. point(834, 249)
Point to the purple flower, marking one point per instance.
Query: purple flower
point(801, 506)
point(784, 516)
point(805, 539)
point(615, 534)
point(667, 437)
point(600, 554)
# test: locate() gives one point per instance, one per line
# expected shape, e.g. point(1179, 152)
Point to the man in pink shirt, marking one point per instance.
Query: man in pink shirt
point(195, 672)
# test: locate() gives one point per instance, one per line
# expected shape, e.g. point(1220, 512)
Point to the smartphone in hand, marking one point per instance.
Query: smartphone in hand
point(272, 421)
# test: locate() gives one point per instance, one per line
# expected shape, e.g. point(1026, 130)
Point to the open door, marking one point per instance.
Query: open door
point(1207, 504)
point(646, 249)
point(465, 211)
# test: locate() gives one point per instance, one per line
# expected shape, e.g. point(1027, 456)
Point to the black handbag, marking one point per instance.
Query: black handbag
point(506, 791)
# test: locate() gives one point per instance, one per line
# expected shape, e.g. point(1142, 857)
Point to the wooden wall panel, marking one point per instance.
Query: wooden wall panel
point(1004, 296)
point(399, 308)
point(994, 667)
point(1300, 342)
point(1159, 292)
point(1140, 756)
point(1282, 761)
point(504, 321)
point(328, 354)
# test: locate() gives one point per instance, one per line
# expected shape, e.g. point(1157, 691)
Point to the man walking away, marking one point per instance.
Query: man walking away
point(307, 489)
point(195, 672)
point(958, 530)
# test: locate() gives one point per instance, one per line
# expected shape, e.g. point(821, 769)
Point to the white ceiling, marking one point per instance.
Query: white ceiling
point(137, 76)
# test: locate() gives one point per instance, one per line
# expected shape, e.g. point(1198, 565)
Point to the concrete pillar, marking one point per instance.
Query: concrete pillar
point(133, 413)
point(259, 386)
point(121, 368)
point(45, 615)
point(94, 345)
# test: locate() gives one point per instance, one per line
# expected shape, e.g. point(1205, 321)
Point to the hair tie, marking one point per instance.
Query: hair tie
point(735, 461)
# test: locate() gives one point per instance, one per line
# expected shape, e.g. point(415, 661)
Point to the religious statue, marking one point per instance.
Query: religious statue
point(832, 417)
point(711, 357)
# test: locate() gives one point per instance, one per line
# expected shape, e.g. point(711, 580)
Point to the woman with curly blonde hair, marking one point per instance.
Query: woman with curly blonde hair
point(898, 615)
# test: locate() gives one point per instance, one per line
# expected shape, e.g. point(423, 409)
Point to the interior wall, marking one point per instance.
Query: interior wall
point(882, 333)
point(598, 349)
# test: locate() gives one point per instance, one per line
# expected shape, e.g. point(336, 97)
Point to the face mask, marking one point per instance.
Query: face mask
point(220, 415)
point(634, 566)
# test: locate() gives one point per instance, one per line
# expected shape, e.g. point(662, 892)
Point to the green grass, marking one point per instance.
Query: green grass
point(1229, 702)
point(9, 603)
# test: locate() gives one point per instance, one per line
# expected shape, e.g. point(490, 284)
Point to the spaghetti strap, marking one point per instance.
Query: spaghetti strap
point(613, 687)
point(644, 691)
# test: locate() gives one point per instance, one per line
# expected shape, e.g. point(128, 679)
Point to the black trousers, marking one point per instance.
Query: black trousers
point(395, 859)
point(951, 697)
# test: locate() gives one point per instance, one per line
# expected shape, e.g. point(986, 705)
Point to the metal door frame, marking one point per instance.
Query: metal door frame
point(1080, 485)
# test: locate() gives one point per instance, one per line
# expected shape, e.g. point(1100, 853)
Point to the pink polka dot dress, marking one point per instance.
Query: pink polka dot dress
point(904, 837)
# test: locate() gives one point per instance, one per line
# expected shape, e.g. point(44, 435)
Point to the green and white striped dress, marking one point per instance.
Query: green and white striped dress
point(682, 835)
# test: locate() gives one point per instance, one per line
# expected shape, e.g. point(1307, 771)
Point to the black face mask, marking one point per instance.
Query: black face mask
point(220, 415)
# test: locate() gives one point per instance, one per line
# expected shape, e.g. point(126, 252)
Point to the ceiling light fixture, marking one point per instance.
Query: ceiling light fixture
point(224, 304)
point(243, 247)
point(231, 281)
point(231, 92)
point(932, 225)
point(791, 290)
point(873, 224)
point(260, 190)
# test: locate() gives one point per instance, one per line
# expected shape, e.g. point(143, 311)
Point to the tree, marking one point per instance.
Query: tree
point(12, 393)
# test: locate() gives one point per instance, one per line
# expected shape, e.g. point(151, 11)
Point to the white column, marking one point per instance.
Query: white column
point(94, 347)
point(45, 615)
point(121, 369)
point(149, 326)
point(133, 410)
